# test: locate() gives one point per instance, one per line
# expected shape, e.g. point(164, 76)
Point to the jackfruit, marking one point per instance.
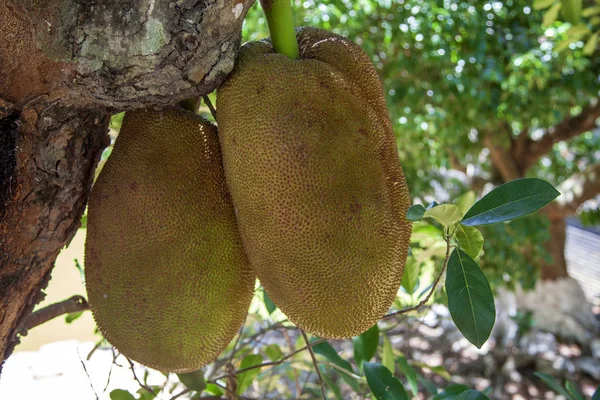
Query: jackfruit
point(167, 279)
point(312, 165)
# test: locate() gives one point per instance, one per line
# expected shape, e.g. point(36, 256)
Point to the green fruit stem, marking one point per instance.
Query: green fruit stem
point(281, 26)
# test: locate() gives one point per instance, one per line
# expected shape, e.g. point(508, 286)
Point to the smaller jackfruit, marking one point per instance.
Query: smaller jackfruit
point(167, 278)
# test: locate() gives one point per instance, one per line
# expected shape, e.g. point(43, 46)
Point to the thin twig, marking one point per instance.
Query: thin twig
point(210, 106)
point(271, 363)
point(431, 291)
point(144, 386)
point(73, 304)
point(186, 391)
point(237, 339)
point(88, 375)
point(314, 360)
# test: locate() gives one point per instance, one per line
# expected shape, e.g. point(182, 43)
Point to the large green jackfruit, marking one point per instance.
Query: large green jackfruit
point(167, 278)
point(311, 162)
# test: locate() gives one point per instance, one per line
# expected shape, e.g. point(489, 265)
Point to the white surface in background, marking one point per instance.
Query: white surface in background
point(56, 372)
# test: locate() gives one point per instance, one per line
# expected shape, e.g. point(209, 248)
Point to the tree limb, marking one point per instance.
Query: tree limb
point(569, 128)
point(502, 160)
point(73, 304)
point(580, 188)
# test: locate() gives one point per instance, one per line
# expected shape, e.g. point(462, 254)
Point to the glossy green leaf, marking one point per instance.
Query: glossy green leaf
point(120, 394)
point(213, 389)
point(466, 201)
point(445, 214)
point(193, 380)
point(552, 383)
point(273, 352)
point(541, 4)
point(573, 391)
point(410, 374)
point(470, 240)
point(551, 15)
point(471, 395)
point(326, 350)
point(411, 275)
point(387, 356)
point(245, 378)
point(383, 384)
point(269, 303)
point(365, 345)
point(415, 213)
point(451, 391)
point(470, 298)
point(591, 44)
point(511, 200)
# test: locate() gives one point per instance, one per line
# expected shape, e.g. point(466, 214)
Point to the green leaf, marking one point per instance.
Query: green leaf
point(470, 298)
point(588, 12)
point(415, 213)
point(83, 222)
point(573, 391)
point(411, 275)
point(552, 383)
point(213, 389)
point(428, 385)
point(193, 380)
point(466, 200)
point(120, 394)
point(445, 214)
point(541, 4)
point(387, 358)
point(365, 345)
point(451, 391)
point(511, 200)
point(73, 316)
point(591, 44)
point(438, 369)
point(325, 374)
point(470, 240)
point(326, 350)
point(269, 303)
point(571, 10)
point(578, 30)
point(245, 378)
point(273, 352)
point(471, 395)
point(551, 15)
point(596, 395)
point(563, 44)
point(410, 374)
point(383, 384)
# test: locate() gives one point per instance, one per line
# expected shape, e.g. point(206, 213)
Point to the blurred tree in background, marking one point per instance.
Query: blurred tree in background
point(479, 92)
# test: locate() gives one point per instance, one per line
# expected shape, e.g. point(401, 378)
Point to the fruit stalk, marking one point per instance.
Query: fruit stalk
point(281, 26)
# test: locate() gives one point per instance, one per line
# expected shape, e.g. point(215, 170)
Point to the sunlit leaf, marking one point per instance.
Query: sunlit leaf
point(573, 391)
point(551, 15)
point(415, 213)
point(387, 357)
point(571, 10)
point(541, 4)
point(213, 389)
point(365, 345)
point(578, 30)
point(470, 298)
point(73, 316)
point(470, 240)
point(466, 200)
point(410, 374)
point(120, 394)
point(511, 200)
point(591, 44)
point(273, 352)
point(411, 275)
point(383, 384)
point(589, 11)
point(245, 378)
point(269, 303)
point(445, 214)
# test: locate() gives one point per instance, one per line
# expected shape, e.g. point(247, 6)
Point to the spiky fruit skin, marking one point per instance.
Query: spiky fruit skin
point(166, 275)
point(312, 165)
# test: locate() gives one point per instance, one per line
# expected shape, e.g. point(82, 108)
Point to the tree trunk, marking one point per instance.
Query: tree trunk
point(557, 268)
point(65, 66)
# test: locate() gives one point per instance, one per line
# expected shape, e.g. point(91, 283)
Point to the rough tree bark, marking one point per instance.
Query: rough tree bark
point(65, 66)
point(513, 158)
